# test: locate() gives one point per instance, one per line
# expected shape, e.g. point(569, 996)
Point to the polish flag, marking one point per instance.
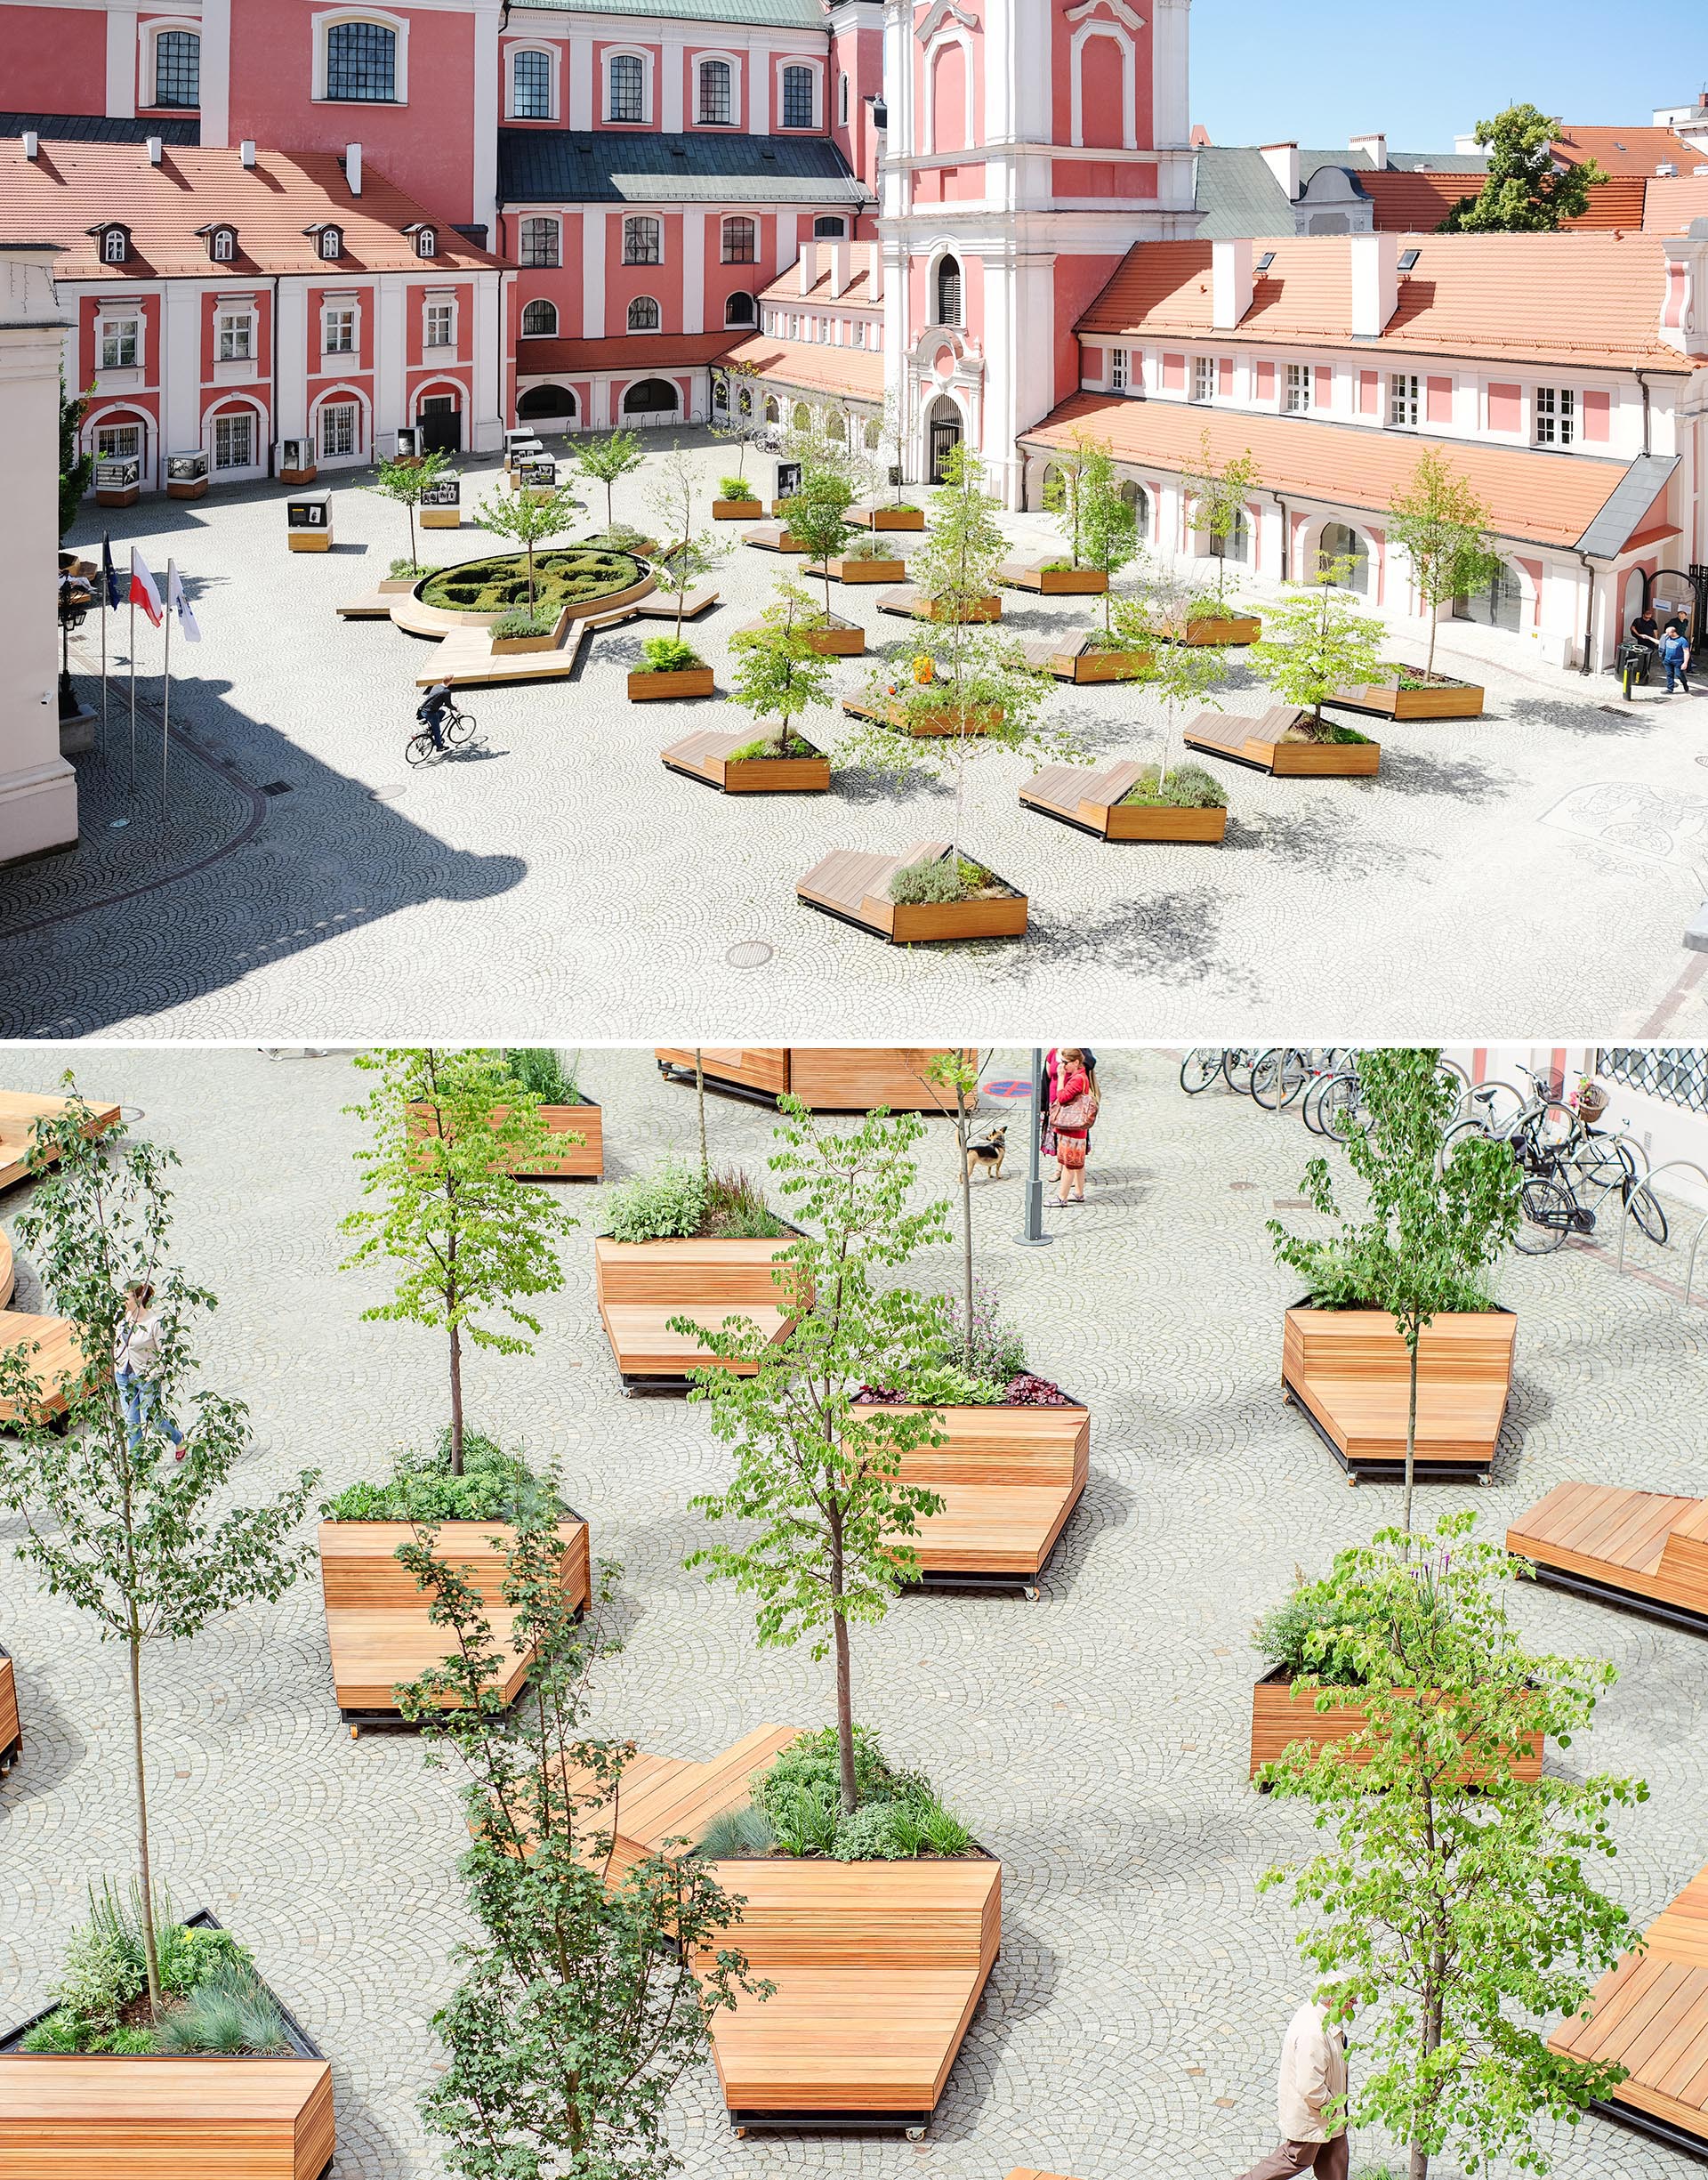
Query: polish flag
point(142, 591)
point(179, 604)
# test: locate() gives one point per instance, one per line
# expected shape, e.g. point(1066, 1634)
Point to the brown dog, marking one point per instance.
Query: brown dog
point(987, 1158)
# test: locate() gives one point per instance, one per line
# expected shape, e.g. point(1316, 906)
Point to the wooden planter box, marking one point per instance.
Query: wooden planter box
point(1280, 1716)
point(1261, 746)
point(706, 756)
point(582, 1161)
point(1644, 1551)
point(774, 537)
point(1389, 700)
point(737, 510)
point(1053, 582)
point(853, 885)
point(505, 647)
point(12, 1735)
point(19, 1112)
point(378, 1631)
point(1092, 802)
point(839, 640)
point(640, 1286)
point(846, 570)
point(979, 719)
point(889, 517)
point(659, 688)
point(1349, 1371)
point(850, 1079)
point(1235, 628)
point(911, 604)
point(196, 487)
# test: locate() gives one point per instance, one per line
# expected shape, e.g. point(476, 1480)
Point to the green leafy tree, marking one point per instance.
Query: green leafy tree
point(76, 468)
point(1064, 487)
point(147, 1544)
point(1316, 642)
point(743, 409)
point(822, 1513)
point(1429, 1227)
point(527, 519)
point(1442, 525)
point(891, 452)
point(1216, 497)
point(404, 479)
point(471, 1242)
point(586, 1989)
point(1185, 677)
point(1108, 521)
point(608, 459)
point(777, 674)
point(1455, 1919)
point(817, 512)
point(688, 555)
point(1523, 192)
point(953, 1078)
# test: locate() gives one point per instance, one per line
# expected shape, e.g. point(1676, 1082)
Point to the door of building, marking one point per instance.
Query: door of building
point(945, 433)
point(441, 425)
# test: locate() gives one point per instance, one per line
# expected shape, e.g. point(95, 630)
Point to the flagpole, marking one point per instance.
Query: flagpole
point(165, 707)
point(118, 824)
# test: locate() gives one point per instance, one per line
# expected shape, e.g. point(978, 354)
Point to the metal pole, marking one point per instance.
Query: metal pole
point(106, 608)
point(1033, 1234)
point(166, 710)
point(118, 824)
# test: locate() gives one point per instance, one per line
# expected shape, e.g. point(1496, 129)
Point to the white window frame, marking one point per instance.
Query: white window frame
point(841, 98)
point(1553, 416)
point(816, 70)
point(348, 407)
point(629, 323)
point(737, 109)
point(1204, 378)
point(227, 418)
point(115, 232)
point(426, 241)
point(1120, 369)
point(222, 245)
point(115, 329)
point(329, 311)
point(1405, 400)
point(436, 306)
point(130, 452)
point(333, 234)
point(151, 62)
point(1299, 392)
point(538, 302)
point(751, 220)
point(634, 219)
point(539, 264)
point(549, 54)
point(321, 24)
point(625, 52)
point(234, 333)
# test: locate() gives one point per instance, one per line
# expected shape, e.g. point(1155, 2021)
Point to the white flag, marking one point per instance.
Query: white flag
point(179, 604)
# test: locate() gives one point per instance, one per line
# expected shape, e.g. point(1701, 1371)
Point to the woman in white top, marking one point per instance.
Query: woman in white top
point(136, 1363)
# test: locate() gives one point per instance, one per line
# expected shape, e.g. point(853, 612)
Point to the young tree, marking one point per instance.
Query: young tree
point(1316, 642)
point(145, 1543)
point(76, 468)
point(1523, 192)
point(817, 512)
point(585, 1991)
point(527, 520)
point(1443, 528)
point(818, 1473)
point(1108, 522)
point(607, 459)
point(686, 555)
point(472, 1241)
point(952, 1078)
point(891, 449)
point(1455, 1919)
point(743, 409)
point(1429, 1227)
point(1216, 494)
point(1184, 677)
point(1064, 487)
point(777, 672)
point(405, 479)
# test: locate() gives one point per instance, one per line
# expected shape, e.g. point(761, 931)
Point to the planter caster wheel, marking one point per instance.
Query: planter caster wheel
point(915, 2134)
point(1352, 1483)
point(740, 2132)
point(355, 1733)
point(1031, 1592)
point(1286, 1396)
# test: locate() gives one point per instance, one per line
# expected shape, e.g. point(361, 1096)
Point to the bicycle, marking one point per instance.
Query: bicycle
point(1560, 1174)
point(454, 728)
point(1285, 1073)
point(1209, 1063)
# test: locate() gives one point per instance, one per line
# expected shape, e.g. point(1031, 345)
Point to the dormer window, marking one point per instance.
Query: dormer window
point(113, 242)
point(426, 240)
point(222, 242)
point(328, 240)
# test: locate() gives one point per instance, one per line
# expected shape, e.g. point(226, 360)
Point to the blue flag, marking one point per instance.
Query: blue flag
point(109, 573)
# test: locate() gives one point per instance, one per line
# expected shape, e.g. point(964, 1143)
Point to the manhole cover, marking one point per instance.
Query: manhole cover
point(390, 792)
point(1242, 1184)
point(748, 954)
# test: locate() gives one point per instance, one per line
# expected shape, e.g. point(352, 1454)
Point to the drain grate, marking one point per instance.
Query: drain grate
point(277, 787)
point(748, 954)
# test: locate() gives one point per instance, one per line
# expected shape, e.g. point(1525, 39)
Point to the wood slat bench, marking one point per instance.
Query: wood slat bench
point(853, 885)
point(829, 1078)
point(201, 2119)
point(1259, 745)
point(1075, 656)
point(1349, 1372)
point(12, 1733)
point(1650, 2015)
point(1049, 582)
point(909, 603)
point(879, 514)
point(1091, 803)
point(56, 1365)
point(774, 537)
point(467, 660)
point(377, 1628)
point(1645, 1551)
point(20, 1111)
point(705, 755)
point(663, 1800)
point(641, 1285)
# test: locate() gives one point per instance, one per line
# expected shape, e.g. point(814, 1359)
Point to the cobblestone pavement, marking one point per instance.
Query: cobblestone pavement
point(1096, 1741)
point(586, 880)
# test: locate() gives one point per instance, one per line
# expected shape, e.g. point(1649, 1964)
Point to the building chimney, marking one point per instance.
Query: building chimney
point(809, 265)
point(32, 143)
point(1230, 283)
point(1375, 284)
point(156, 150)
point(246, 150)
point(1667, 171)
point(1283, 162)
point(353, 168)
point(1376, 146)
point(875, 271)
point(840, 268)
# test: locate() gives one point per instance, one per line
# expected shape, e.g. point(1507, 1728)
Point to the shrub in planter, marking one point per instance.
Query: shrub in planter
point(766, 746)
point(981, 1366)
point(734, 488)
point(871, 549)
point(494, 1486)
point(540, 1072)
point(677, 1202)
point(947, 878)
point(796, 1811)
point(411, 570)
point(1188, 786)
point(520, 621)
point(668, 655)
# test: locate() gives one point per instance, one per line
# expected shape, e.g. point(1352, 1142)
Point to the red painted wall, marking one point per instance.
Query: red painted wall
point(1078, 280)
point(55, 61)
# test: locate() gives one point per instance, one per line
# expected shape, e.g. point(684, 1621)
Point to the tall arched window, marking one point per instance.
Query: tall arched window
point(537, 319)
point(362, 62)
point(1499, 603)
point(797, 98)
point(714, 91)
point(1342, 543)
point(643, 240)
point(626, 88)
point(739, 309)
point(643, 314)
point(773, 414)
point(649, 397)
point(541, 241)
point(178, 69)
point(1237, 545)
point(948, 292)
point(1139, 500)
point(740, 241)
point(530, 86)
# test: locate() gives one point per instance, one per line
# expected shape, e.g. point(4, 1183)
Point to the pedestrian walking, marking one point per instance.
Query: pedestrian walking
point(1675, 657)
point(136, 1367)
point(1313, 2077)
point(1073, 1110)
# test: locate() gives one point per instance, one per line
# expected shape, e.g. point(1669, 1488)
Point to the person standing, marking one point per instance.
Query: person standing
point(1073, 1109)
point(1675, 657)
point(1313, 2078)
point(136, 1367)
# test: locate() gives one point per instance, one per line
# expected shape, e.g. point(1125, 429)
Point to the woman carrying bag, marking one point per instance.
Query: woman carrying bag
point(1073, 1110)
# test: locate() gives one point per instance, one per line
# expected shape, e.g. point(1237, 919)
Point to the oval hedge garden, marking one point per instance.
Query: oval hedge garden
point(576, 575)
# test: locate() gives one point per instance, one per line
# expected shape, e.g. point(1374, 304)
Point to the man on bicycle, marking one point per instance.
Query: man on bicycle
point(432, 710)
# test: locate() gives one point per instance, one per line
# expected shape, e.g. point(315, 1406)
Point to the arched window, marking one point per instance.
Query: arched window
point(1139, 500)
point(643, 314)
point(715, 91)
point(541, 241)
point(740, 241)
point(626, 88)
point(773, 414)
point(1341, 543)
point(948, 291)
point(829, 227)
point(649, 397)
point(797, 98)
point(177, 68)
point(1500, 604)
point(801, 418)
point(1237, 545)
point(426, 242)
point(643, 241)
point(331, 242)
point(539, 318)
point(222, 246)
point(873, 433)
point(739, 309)
point(546, 401)
point(362, 62)
point(836, 425)
point(115, 245)
point(530, 86)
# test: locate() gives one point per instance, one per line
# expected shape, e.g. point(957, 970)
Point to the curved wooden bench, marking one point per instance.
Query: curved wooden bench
point(377, 1629)
point(1650, 2015)
point(641, 1285)
point(1349, 1372)
point(201, 2119)
point(12, 1736)
point(1261, 746)
point(20, 1111)
point(828, 1078)
point(1646, 1551)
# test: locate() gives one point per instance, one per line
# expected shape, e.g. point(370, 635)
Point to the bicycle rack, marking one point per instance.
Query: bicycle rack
point(1645, 1187)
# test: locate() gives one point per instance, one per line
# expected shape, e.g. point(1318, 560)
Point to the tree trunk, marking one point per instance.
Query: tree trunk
point(611, 520)
point(1418, 2166)
point(1434, 625)
point(413, 560)
point(456, 1399)
point(529, 549)
point(1411, 1443)
point(962, 1131)
point(844, 1688)
point(150, 1944)
point(699, 1094)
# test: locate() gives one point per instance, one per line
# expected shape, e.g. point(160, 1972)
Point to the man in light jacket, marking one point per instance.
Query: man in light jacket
point(1313, 2074)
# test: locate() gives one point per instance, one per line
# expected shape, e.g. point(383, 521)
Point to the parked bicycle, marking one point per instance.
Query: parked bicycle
point(1209, 1065)
point(1568, 1179)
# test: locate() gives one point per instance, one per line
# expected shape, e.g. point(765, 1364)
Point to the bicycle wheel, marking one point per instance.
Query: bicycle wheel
point(1237, 1065)
point(1200, 1069)
point(1550, 1215)
point(458, 729)
point(1267, 1078)
point(1337, 1106)
point(1470, 1129)
point(419, 750)
point(1645, 1209)
point(1311, 1105)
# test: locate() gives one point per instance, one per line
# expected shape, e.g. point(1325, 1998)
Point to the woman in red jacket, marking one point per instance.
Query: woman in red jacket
point(1073, 1110)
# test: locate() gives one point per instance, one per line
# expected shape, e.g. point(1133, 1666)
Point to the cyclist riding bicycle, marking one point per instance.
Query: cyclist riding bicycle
point(432, 710)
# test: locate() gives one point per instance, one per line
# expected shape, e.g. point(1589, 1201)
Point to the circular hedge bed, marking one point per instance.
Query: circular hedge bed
point(576, 575)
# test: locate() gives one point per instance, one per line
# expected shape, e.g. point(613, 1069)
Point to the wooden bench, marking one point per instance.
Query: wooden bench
point(1646, 1551)
point(1049, 582)
point(850, 1079)
point(1649, 2014)
point(774, 537)
point(1091, 803)
point(1349, 1371)
point(663, 1801)
point(1008, 1478)
point(641, 1285)
point(910, 603)
point(705, 755)
point(1261, 745)
point(20, 1111)
point(56, 1365)
point(12, 1734)
point(201, 2119)
point(853, 885)
point(378, 1632)
point(1075, 656)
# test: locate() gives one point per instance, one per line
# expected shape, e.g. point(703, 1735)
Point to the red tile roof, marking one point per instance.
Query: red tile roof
point(1670, 205)
point(657, 351)
point(1584, 299)
point(814, 366)
point(1625, 151)
point(1410, 201)
point(68, 188)
point(1534, 498)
